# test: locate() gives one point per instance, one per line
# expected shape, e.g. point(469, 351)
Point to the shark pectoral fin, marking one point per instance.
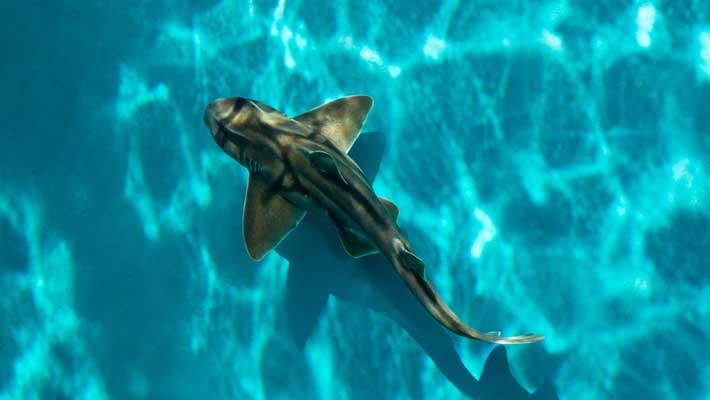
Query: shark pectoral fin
point(355, 245)
point(339, 120)
point(268, 218)
point(391, 207)
point(325, 163)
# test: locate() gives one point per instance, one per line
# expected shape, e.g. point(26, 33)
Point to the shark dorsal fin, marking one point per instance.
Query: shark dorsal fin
point(268, 218)
point(339, 120)
point(391, 207)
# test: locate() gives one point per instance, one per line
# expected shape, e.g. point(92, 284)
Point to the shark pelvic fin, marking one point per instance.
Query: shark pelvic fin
point(339, 120)
point(268, 218)
point(355, 245)
point(325, 163)
point(391, 207)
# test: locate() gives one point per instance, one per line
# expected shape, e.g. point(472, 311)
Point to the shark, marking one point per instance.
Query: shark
point(368, 283)
point(301, 165)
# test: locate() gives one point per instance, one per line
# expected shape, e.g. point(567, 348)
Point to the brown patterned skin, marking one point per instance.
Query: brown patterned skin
point(300, 165)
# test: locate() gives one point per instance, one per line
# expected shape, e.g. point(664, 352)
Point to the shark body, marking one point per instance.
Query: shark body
point(300, 165)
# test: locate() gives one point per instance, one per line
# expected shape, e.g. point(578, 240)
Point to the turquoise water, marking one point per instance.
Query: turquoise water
point(550, 163)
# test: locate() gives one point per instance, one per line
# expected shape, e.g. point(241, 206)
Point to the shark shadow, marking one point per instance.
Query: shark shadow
point(369, 282)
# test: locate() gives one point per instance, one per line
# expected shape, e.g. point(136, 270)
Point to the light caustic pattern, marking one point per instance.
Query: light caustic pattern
point(549, 161)
point(37, 306)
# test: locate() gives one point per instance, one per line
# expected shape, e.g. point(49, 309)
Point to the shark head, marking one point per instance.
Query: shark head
point(266, 141)
point(240, 127)
point(232, 121)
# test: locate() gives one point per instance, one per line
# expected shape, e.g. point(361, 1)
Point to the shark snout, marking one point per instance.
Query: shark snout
point(225, 112)
point(220, 110)
point(220, 113)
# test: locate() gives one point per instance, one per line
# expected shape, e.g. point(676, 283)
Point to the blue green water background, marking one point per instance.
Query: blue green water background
point(550, 161)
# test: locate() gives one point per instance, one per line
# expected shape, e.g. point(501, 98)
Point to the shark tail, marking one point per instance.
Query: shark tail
point(411, 270)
